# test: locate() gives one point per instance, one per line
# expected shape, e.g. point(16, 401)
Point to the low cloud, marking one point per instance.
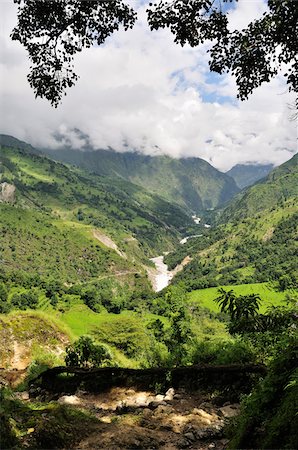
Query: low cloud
point(142, 92)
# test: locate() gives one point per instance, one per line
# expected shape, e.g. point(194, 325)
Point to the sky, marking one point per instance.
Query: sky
point(141, 91)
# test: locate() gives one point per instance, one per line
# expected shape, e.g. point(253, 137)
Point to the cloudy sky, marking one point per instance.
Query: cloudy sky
point(141, 91)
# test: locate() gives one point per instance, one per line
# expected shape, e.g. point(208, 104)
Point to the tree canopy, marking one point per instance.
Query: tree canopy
point(54, 31)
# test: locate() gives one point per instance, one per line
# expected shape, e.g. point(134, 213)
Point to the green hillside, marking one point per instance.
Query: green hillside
point(191, 182)
point(65, 222)
point(248, 174)
point(255, 241)
point(271, 192)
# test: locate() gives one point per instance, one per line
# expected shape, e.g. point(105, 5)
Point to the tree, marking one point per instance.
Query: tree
point(4, 305)
point(53, 32)
point(254, 55)
point(85, 353)
point(226, 301)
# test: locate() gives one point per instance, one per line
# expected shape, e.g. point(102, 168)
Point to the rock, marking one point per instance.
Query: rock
point(202, 413)
point(169, 395)
point(159, 398)
point(183, 443)
point(141, 400)
point(105, 419)
point(81, 392)
point(22, 395)
point(207, 406)
point(212, 445)
point(229, 411)
point(147, 412)
point(190, 436)
point(69, 400)
point(177, 396)
point(161, 409)
point(154, 405)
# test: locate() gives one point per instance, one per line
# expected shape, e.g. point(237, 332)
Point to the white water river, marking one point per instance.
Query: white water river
point(163, 276)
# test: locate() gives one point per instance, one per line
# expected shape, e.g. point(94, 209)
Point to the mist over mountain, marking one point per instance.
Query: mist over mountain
point(248, 174)
point(190, 182)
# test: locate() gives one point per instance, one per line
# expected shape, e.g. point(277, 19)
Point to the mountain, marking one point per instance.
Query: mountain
point(190, 182)
point(255, 240)
point(279, 186)
point(10, 141)
point(248, 174)
point(63, 222)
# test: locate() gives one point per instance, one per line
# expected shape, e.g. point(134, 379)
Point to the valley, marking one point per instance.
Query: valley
point(103, 271)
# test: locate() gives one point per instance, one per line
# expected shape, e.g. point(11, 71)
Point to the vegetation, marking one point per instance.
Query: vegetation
point(269, 414)
point(248, 174)
point(73, 290)
point(67, 225)
point(253, 55)
point(191, 183)
point(255, 240)
point(84, 353)
point(24, 424)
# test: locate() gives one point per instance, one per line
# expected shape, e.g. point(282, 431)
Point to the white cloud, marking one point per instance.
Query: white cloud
point(142, 90)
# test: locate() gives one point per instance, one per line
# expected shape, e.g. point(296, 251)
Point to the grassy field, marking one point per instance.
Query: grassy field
point(205, 297)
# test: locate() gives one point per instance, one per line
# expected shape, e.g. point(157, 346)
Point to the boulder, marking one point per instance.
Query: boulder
point(229, 410)
point(69, 400)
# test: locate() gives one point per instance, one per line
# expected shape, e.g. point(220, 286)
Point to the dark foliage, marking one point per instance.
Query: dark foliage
point(53, 32)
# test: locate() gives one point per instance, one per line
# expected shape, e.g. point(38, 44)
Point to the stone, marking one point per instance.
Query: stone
point(159, 398)
point(141, 400)
point(161, 409)
point(183, 443)
point(69, 400)
point(190, 436)
point(147, 412)
point(229, 411)
point(202, 413)
point(22, 395)
point(169, 395)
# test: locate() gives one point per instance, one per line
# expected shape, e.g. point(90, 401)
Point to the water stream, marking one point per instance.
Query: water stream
point(163, 276)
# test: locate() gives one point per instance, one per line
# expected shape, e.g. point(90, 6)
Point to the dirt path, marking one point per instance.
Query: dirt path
point(20, 359)
point(131, 419)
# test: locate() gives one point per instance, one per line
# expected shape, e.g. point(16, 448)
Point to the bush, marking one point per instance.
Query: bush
point(269, 417)
point(25, 300)
point(85, 353)
point(229, 352)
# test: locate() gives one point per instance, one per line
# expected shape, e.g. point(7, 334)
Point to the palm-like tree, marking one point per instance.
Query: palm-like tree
point(226, 301)
point(246, 306)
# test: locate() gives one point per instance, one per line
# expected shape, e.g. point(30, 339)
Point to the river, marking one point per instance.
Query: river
point(163, 276)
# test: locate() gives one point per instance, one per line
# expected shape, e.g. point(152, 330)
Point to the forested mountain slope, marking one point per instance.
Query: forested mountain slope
point(191, 182)
point(55, 220)
point(255, 240)
point(247, 174)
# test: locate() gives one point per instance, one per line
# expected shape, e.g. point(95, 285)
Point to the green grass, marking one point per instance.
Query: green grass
point(205, 297)
point(82, 320)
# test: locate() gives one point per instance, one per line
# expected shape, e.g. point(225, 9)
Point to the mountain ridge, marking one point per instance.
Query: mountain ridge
point(192, 182)
point(248, 174)
point(255, 239)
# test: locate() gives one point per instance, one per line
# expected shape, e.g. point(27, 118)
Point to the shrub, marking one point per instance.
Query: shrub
point(85, 353)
